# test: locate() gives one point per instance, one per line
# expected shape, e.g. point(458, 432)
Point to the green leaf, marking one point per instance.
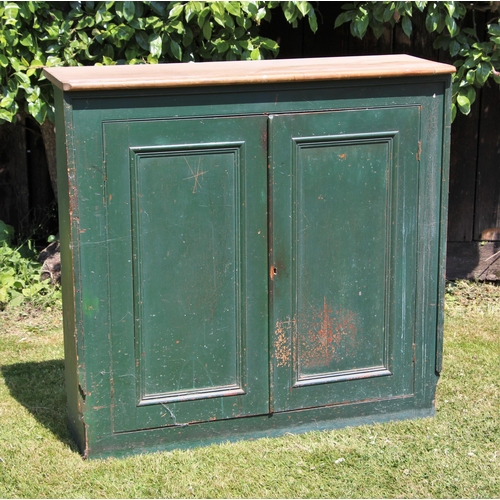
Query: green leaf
point(176, 11)
point(471, 94)
point(6, 232)
point(217, 9)
point(207, 30)
point(189, 11)
point(451, 25)
point(470, 76)
point(313, 22)
point(85, 22)
point(342, 18)
point(108, 51)
point(15, 63)
point(38, 110)
point(177, 26)
point(41, 116)
point(27, 40)
point(187, 39)
point(454, 48)
point(228, 21)
point(53, 61)
point(255, 54)
point(7, 115)
point(220, 20)
point(22, 79)
point(4, 62)
point(159, 7)
point(360, 25)
point(155, 45)
point(142, 39)
point(407, 26)
point(202, 16)
point(267, 43)
point(290, 12)
point(6, 102)
point(252, 8)
point(107, 61)
point(389, 13)
point(176, 49)
point(11, 10)
point(494, 30)
point(222, 46)
point(304, 7)
point(482, 72)
point(129, 10)
point(463, 104)
point(233, 8)
point(453, 112)
point(123, 32)
point(469, 63)
point(16, 301)
point(431, 22)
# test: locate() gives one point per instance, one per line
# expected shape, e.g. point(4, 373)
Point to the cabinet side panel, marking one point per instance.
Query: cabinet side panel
point(445, 182)
point(75, 387)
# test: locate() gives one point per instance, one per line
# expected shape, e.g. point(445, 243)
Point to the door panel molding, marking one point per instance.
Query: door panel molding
point(188, 277)
point(343, 291)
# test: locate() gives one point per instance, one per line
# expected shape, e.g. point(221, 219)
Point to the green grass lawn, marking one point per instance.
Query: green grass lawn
point(456, 454)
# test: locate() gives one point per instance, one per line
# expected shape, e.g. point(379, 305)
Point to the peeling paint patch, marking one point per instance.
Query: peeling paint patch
point(282, 347)
point(328, 336)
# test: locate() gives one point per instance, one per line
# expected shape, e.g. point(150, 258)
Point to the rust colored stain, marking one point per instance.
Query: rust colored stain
point(329, 335)
point(343, 156)
point(282, 349)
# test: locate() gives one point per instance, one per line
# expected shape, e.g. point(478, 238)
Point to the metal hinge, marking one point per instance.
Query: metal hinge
point(419, 152)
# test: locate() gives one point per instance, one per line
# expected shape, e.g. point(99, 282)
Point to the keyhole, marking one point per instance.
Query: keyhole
point(274, 272)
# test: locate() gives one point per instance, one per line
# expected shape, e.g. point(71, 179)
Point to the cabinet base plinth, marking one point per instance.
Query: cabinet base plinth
point(251, 428)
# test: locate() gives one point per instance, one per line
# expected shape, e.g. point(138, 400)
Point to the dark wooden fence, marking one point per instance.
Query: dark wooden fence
point(26, 198)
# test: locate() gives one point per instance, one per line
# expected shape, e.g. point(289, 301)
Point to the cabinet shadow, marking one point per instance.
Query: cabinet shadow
point(39, 387)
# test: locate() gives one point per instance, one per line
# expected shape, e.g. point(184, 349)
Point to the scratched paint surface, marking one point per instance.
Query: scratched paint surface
point(342, 200)
point(186, 246)
point(188, 275)
point(345, 256)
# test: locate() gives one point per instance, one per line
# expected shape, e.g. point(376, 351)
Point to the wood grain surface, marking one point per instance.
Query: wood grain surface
point(241, 72)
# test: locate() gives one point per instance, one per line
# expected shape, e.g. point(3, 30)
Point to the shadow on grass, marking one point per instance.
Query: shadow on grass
point(39, 387)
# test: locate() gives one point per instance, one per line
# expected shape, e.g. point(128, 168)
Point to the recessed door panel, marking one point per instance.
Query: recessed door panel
point(187, 215)
point(349, 180)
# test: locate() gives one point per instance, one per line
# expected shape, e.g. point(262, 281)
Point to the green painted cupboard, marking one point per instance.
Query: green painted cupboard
point(250, 248)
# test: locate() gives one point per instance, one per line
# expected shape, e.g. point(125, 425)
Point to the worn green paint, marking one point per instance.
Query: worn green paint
point(188, 260)
point(344, 291)
point(252, 260)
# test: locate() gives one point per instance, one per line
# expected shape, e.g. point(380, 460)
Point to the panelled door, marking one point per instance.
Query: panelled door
point(187, 226)
point(344, 191)
point(189, 206)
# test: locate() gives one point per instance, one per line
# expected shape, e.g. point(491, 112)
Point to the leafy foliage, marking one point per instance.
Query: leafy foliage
point(477, 60)
point(37, 34)
point(20, 281)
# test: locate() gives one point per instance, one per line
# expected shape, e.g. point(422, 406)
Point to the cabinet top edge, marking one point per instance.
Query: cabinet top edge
point(84, 78)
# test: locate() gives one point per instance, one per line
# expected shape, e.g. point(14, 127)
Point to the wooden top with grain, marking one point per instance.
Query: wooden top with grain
point(73, 79)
